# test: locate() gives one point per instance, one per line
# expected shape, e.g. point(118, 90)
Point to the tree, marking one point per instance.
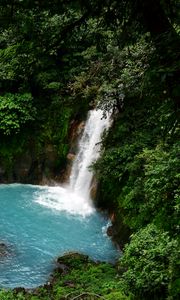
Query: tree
point(15, 111)
point(151, 261)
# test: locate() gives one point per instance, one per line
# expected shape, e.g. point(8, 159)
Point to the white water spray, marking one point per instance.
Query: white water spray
point(75, 198)
point(88, 152)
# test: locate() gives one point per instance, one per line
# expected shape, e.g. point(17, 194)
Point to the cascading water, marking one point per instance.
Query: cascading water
point(39, 223)
point(75, 198)
point(89, 150)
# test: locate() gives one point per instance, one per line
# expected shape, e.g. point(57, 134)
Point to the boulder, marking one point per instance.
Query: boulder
point(4, 250)
point(71, 156)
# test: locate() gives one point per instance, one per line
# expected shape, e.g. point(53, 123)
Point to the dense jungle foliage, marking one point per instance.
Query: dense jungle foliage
point(58, 59)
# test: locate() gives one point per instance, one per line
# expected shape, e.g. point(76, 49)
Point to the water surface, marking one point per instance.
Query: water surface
point(40, 223)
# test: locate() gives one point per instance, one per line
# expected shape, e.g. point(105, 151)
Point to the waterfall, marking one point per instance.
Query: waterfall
point(75, 198)
point(88, 152)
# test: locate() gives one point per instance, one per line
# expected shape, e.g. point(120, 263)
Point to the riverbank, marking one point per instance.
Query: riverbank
point(75, 277)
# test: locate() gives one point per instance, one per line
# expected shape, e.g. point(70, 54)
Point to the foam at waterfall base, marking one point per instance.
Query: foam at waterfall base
point(62, 199)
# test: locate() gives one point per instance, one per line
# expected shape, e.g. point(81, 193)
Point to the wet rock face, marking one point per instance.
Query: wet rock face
point(22, 166)
point(94, 190)
point(75, 132)
point(30, 166)
point(40, 164)
point(2, 173)
point(33, 168)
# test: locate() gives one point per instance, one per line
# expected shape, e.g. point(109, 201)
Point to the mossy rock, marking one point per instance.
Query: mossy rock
point(73, 260)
